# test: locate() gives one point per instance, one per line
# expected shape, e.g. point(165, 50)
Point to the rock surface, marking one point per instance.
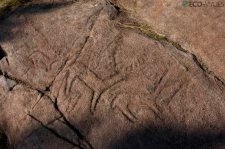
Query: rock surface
point(200, 29)
point(72, 78)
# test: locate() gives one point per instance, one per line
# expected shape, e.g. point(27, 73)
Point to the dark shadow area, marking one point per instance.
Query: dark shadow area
point(8, 22)
point(8, 6)
point(154, 138)
point(43, 7)
point(2, 53)
point(3, 140)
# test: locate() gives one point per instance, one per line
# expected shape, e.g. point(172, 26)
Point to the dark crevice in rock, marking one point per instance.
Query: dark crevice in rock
point(55, 133)
point(206, 71)
point(11, 88)
point(71, 126)
point(7, 61)
point(197, 62)
point(2, 53)
point(120, 9)
point(57, 119)
point(116, 7)
point(18, 81)
point(47, 89)
point(220, 83)
point(86, 39)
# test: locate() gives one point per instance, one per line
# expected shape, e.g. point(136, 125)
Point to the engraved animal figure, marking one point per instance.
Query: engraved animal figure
point(77, 70)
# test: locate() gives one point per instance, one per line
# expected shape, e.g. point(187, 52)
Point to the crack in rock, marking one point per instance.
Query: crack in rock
point(55, 133)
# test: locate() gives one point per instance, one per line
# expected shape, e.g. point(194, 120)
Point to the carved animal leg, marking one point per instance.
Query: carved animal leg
point(121, 103)
point(95, 101)
point(99, 86)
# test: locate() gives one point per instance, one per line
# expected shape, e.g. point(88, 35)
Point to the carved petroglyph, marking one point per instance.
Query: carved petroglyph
point(99, 86)
point(131, 69)
point(140, 80)
point(124, 100)
point(149, 90)
point(79, 70)
point(129, 66)
point(41, 60)
point(82, 72)
point(128, 94)
point(121, 102)
point(76, 68)
point(76, 95)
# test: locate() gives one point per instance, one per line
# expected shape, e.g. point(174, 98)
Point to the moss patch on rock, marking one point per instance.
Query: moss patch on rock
point(8, 5)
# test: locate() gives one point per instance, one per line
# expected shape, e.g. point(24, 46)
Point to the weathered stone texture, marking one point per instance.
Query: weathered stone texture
point(199, 30)
point(80, 81)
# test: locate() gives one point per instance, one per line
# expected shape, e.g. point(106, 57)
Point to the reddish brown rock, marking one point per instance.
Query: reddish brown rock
point(15, 107)
point(86, 83)
point(36, 52)
point(199, 30)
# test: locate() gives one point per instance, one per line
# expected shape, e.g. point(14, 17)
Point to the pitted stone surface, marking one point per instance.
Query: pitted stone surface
point(83, 82)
